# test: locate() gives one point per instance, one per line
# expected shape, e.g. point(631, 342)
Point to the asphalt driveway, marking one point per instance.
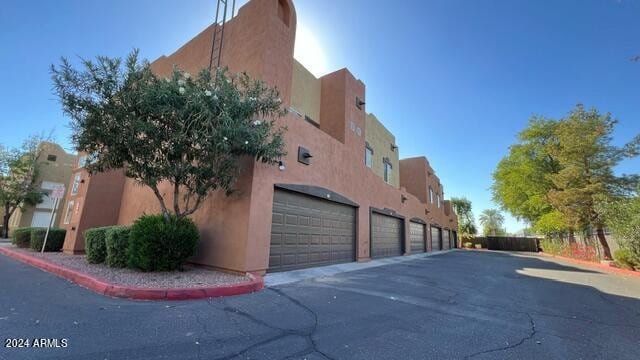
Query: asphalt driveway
point(458, 305)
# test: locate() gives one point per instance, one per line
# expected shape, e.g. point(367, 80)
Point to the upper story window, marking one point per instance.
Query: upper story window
point(76, 184)
point(438, 200)
point(368, 156)
point(51, 157)
point(430, 195)
point(387, 172)
point(82, 161)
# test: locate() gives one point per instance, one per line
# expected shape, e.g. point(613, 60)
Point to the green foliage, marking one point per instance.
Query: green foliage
point(117, 242)
point(466, 224)
point(625, 259)
point(550, 224)
point(623, 219)
point(18, 178)
point(492, 221)
point(95, 244)
point(158, 244)
point(55, 239)
point(22, 237)
point(554, 247)
point(189, 131)
point(468, 245)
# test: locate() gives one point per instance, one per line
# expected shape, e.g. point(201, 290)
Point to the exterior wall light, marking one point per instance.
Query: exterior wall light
point(281, 166)
point(403, 198)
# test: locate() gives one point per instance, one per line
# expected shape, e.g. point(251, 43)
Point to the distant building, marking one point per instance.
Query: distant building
point(54, 168)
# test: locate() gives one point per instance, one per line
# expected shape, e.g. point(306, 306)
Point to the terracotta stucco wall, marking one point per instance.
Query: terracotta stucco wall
point(381, 141)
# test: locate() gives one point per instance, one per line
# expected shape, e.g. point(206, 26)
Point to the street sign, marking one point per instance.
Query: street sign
point(57, 192)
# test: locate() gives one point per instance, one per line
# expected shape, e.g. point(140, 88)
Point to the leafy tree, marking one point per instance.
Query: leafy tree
point(492, 222)
point(521, 180)
point(623, 218)
point(551, 224)
point(18, 178)
point(190, 132)
point(587, 159)
point(466, 224)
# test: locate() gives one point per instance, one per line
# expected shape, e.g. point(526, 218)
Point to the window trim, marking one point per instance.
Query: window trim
point(75, 186)
point(368, 149)
point(387, 171)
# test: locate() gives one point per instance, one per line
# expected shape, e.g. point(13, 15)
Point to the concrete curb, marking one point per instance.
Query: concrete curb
point(607, 268)
point(105, 288)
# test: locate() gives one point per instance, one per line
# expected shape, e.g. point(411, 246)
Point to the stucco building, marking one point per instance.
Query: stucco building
point(54, 168)
point(352, 200)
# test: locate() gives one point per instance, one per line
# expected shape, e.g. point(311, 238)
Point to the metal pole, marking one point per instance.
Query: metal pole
point(46, 235)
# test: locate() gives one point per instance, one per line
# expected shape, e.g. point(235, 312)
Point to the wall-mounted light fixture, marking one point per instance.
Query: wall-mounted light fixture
point(394, 147)
point(403, 198)
point(281, 165)
point(304, 156)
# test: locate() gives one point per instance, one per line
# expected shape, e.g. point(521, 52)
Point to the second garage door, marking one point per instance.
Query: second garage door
point(435, 238)
point(386, 236)
point(416, 232)
point(307, 231)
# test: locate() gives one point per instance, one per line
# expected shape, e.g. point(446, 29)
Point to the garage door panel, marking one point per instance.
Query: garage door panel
point(315, 232)
point(435, 239)
point(386, 236)
point(416, 233)
point(445, 240)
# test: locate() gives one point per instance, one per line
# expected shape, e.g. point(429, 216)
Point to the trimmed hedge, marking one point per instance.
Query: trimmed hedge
point(117, 241)
point(95, 245)
point(157, 244)
point(55, 240)
point(22, 237)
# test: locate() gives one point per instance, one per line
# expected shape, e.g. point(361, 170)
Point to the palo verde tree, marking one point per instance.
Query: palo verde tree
point(188, 131)
point(18, 178)
point(466, 224)
point(587, 160)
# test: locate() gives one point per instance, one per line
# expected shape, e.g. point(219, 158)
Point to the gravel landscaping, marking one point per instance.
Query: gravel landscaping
point(191, 277)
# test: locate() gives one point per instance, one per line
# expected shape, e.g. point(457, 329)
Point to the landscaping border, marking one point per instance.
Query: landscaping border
point(105, 288)
point(604, 267)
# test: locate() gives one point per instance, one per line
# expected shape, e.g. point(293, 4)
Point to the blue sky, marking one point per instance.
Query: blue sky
point(453, 80)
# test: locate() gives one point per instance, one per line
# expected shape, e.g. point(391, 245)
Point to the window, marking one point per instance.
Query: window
point(82, 161)
point(387, 172)
point(368, 156)
point(51, 157)
point(438, 200)
point(76, 184)
point(69, 213)
point(430, 195)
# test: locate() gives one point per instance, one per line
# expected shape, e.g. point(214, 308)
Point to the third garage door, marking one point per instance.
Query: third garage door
point(416, 233)
point(307, 231)
point(435, 238)
point(386, 236)
point(446, 243)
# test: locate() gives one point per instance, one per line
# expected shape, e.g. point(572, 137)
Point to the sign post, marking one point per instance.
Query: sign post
point(57, 193)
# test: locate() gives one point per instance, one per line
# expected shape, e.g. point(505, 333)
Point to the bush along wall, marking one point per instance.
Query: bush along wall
point(22, 237)
point(95, 245)
point(55, 240)
point(117, 242)
point(158, 244)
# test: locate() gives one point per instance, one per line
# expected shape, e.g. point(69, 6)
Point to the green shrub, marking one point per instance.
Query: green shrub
point(117, 241)
point(624, 259)
point(94, 244)
point(22, 237)
point(156, 244)
point(554, 247)
point(468, 245)
point(55, 240)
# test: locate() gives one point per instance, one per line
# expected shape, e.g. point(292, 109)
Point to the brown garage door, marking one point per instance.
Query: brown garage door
point(307, 231)
point(435, 239)
point(386, 236)
point(446, 243)
point(416, 233)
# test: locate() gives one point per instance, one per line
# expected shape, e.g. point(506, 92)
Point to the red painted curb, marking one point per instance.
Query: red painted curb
point(607, 268)
point(105, 288)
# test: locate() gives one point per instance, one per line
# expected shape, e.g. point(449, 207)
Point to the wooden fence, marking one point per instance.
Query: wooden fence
point(508, 243)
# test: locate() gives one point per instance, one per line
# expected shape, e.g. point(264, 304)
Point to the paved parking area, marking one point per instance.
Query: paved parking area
point(459, 305)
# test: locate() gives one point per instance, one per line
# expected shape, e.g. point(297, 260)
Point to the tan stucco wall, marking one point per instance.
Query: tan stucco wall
point(380, 139)
point(306, 92)
point(57, 171)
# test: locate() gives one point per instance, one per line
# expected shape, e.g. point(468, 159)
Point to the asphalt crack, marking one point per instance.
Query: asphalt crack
point(532, 333)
